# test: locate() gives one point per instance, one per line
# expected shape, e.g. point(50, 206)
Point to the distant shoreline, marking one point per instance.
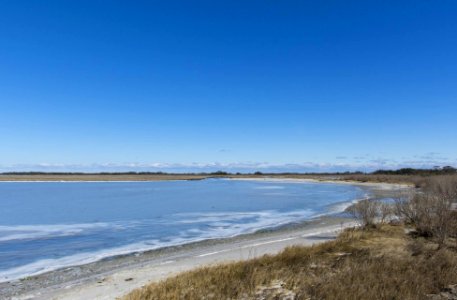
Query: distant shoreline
point(98, 178)
point(156, 178)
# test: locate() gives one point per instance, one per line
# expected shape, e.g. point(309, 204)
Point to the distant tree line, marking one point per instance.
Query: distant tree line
point(446, 170)
point(410, 171)
point(84, 173)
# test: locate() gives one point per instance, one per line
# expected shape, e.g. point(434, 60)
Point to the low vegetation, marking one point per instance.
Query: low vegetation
point(406, 250)
point(417, 177)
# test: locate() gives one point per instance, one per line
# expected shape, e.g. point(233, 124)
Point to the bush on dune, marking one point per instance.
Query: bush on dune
point(431, 211)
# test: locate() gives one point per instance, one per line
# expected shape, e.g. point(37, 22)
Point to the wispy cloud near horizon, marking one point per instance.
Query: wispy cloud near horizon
point(364, 166)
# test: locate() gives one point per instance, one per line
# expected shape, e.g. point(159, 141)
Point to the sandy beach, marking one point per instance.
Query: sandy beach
point(114, 277)
point(371, 185)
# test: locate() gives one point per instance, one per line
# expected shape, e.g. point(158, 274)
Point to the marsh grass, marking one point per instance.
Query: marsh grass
point(377, 263)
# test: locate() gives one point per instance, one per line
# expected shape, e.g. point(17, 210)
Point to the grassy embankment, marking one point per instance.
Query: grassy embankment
point(376, 263)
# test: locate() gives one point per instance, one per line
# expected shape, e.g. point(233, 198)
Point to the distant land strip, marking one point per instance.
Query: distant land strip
point(405, 175)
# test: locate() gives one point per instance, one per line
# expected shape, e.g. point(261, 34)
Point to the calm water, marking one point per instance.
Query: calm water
point(47, 225)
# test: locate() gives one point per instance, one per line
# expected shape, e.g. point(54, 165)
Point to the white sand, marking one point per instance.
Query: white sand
point(377, 185)
point(121, 282)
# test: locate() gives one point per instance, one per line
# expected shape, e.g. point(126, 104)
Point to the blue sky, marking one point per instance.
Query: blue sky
point(236, 85)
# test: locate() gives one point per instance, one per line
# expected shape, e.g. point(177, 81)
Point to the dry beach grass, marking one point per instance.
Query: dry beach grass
point(376, 263)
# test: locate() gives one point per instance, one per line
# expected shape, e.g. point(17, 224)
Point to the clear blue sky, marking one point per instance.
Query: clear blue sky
point(227, 84)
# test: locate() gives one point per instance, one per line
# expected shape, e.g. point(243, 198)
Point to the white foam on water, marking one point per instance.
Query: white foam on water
point(341, 207)
point(219, 225)
point(269, 187)
point(46, 265)
point(23, 232)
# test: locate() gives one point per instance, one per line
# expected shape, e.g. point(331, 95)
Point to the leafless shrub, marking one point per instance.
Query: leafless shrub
point(385, 211)
point(406, 207)
point(443, 186)
point(435, 216)
point(431, 209)
point(366, 212)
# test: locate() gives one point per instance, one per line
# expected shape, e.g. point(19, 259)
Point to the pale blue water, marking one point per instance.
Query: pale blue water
point(47, 225)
